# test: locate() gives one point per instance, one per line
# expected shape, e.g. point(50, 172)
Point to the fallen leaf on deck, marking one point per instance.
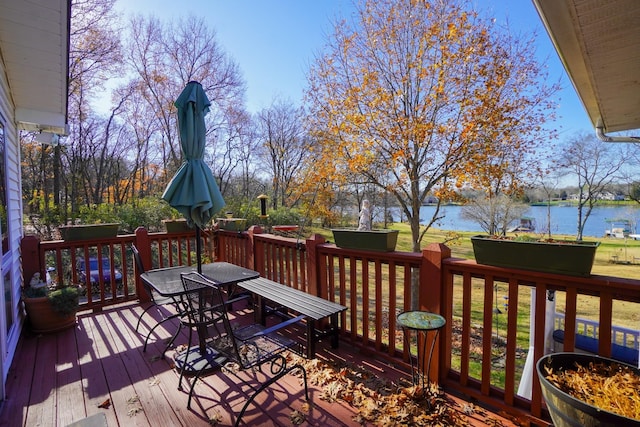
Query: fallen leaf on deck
point(379, 401)
point(215, 419)
point(133, 405)
point(297, 417)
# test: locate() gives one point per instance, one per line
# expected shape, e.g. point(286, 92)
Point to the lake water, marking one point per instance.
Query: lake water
point(563, 219)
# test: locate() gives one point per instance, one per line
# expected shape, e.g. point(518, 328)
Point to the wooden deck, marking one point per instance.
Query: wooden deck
point(98, 367)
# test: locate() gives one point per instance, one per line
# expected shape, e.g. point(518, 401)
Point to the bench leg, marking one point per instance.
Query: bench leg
point(334, 330)
point(259, 310)
point(311, 338)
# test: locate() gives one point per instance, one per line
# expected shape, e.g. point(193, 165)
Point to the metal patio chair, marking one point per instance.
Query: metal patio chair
point(156, 300)
point(249, 346)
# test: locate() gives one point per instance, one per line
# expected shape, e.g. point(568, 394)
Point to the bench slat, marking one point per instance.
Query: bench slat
point(301, 302)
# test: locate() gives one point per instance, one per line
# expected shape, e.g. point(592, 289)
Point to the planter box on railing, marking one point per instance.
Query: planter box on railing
point(176, 225)
point(372, 240)
point(559, 257)
point(232, 224)
point(88, 231)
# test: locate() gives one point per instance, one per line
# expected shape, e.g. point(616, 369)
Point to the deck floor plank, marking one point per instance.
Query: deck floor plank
point(156, 407)
point(121, 389)
point(14, 411)
point(68, 380)
point(162, 369)
point(42, 411)
point(94, 383)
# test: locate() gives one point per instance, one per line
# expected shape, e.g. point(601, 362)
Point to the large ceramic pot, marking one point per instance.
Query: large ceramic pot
point(559, 257)
point(44, 319)
point(372, 240)
point(568, 411)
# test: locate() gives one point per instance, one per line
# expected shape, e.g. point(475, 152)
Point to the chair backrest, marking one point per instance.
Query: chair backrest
point(248, 345)
point(203, 301)
point(138, 259)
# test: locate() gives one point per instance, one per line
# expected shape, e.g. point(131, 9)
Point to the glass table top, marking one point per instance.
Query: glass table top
point(422, 320)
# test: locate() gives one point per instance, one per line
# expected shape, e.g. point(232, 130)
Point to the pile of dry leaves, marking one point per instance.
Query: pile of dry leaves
point(379, 401)
point(612, 387)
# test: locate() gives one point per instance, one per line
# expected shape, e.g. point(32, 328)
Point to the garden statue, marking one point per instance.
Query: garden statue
point(365, 217)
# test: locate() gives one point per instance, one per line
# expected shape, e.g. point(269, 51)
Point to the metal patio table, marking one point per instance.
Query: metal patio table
point(168, 282)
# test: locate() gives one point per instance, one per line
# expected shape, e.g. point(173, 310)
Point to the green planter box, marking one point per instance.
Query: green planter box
point(232, 224)
point(89, 231)
point(374, 240)
point(176, 225)
point(561, 257)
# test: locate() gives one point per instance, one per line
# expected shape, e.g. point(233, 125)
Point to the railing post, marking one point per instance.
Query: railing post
point(430, 296)
point(430, 299)
point(32, 261)
point(251, 246)
point(143, 244)
point(314, 286)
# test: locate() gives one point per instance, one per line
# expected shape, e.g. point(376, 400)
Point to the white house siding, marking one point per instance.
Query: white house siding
point(11, 261)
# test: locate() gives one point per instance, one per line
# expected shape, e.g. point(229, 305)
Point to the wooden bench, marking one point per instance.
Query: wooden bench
point(284, 299)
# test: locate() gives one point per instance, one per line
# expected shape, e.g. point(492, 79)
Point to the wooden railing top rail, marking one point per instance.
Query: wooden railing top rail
point(386, 257)
point(625, 288)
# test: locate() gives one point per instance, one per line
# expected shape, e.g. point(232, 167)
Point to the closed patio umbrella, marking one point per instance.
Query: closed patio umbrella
point(193, 190)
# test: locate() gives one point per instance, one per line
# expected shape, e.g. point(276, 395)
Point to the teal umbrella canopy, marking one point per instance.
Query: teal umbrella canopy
point(193, 190)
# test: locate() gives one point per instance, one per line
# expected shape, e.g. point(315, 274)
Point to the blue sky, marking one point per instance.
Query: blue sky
point(274, 41)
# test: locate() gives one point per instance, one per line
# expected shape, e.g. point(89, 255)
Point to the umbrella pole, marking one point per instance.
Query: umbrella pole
point(198, 250)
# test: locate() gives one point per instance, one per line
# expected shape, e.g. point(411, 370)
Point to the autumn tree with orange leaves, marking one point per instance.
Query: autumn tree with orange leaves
point(423, 98)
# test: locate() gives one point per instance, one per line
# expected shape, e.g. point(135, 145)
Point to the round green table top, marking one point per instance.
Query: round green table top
point(421, 320)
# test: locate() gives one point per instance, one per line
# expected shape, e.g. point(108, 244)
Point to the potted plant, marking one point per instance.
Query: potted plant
point(589, 390)
point(530, 253)
point(50, 309)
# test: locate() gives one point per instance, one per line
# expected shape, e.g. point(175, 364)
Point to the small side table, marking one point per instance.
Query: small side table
point(422, 322)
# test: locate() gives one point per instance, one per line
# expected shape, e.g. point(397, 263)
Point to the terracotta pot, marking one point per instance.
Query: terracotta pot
point(42, 317)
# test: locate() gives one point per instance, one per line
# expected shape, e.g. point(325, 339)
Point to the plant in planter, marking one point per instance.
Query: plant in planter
point(89, 231)
point(589, 390)
point(176, 225)
point(50, 310)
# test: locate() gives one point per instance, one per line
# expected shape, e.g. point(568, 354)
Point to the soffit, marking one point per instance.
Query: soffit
point(599, 43)
point(34, 46)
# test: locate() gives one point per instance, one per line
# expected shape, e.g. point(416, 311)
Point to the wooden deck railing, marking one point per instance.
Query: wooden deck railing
point(118, 282)
point(477, 334)
point(483, 348)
